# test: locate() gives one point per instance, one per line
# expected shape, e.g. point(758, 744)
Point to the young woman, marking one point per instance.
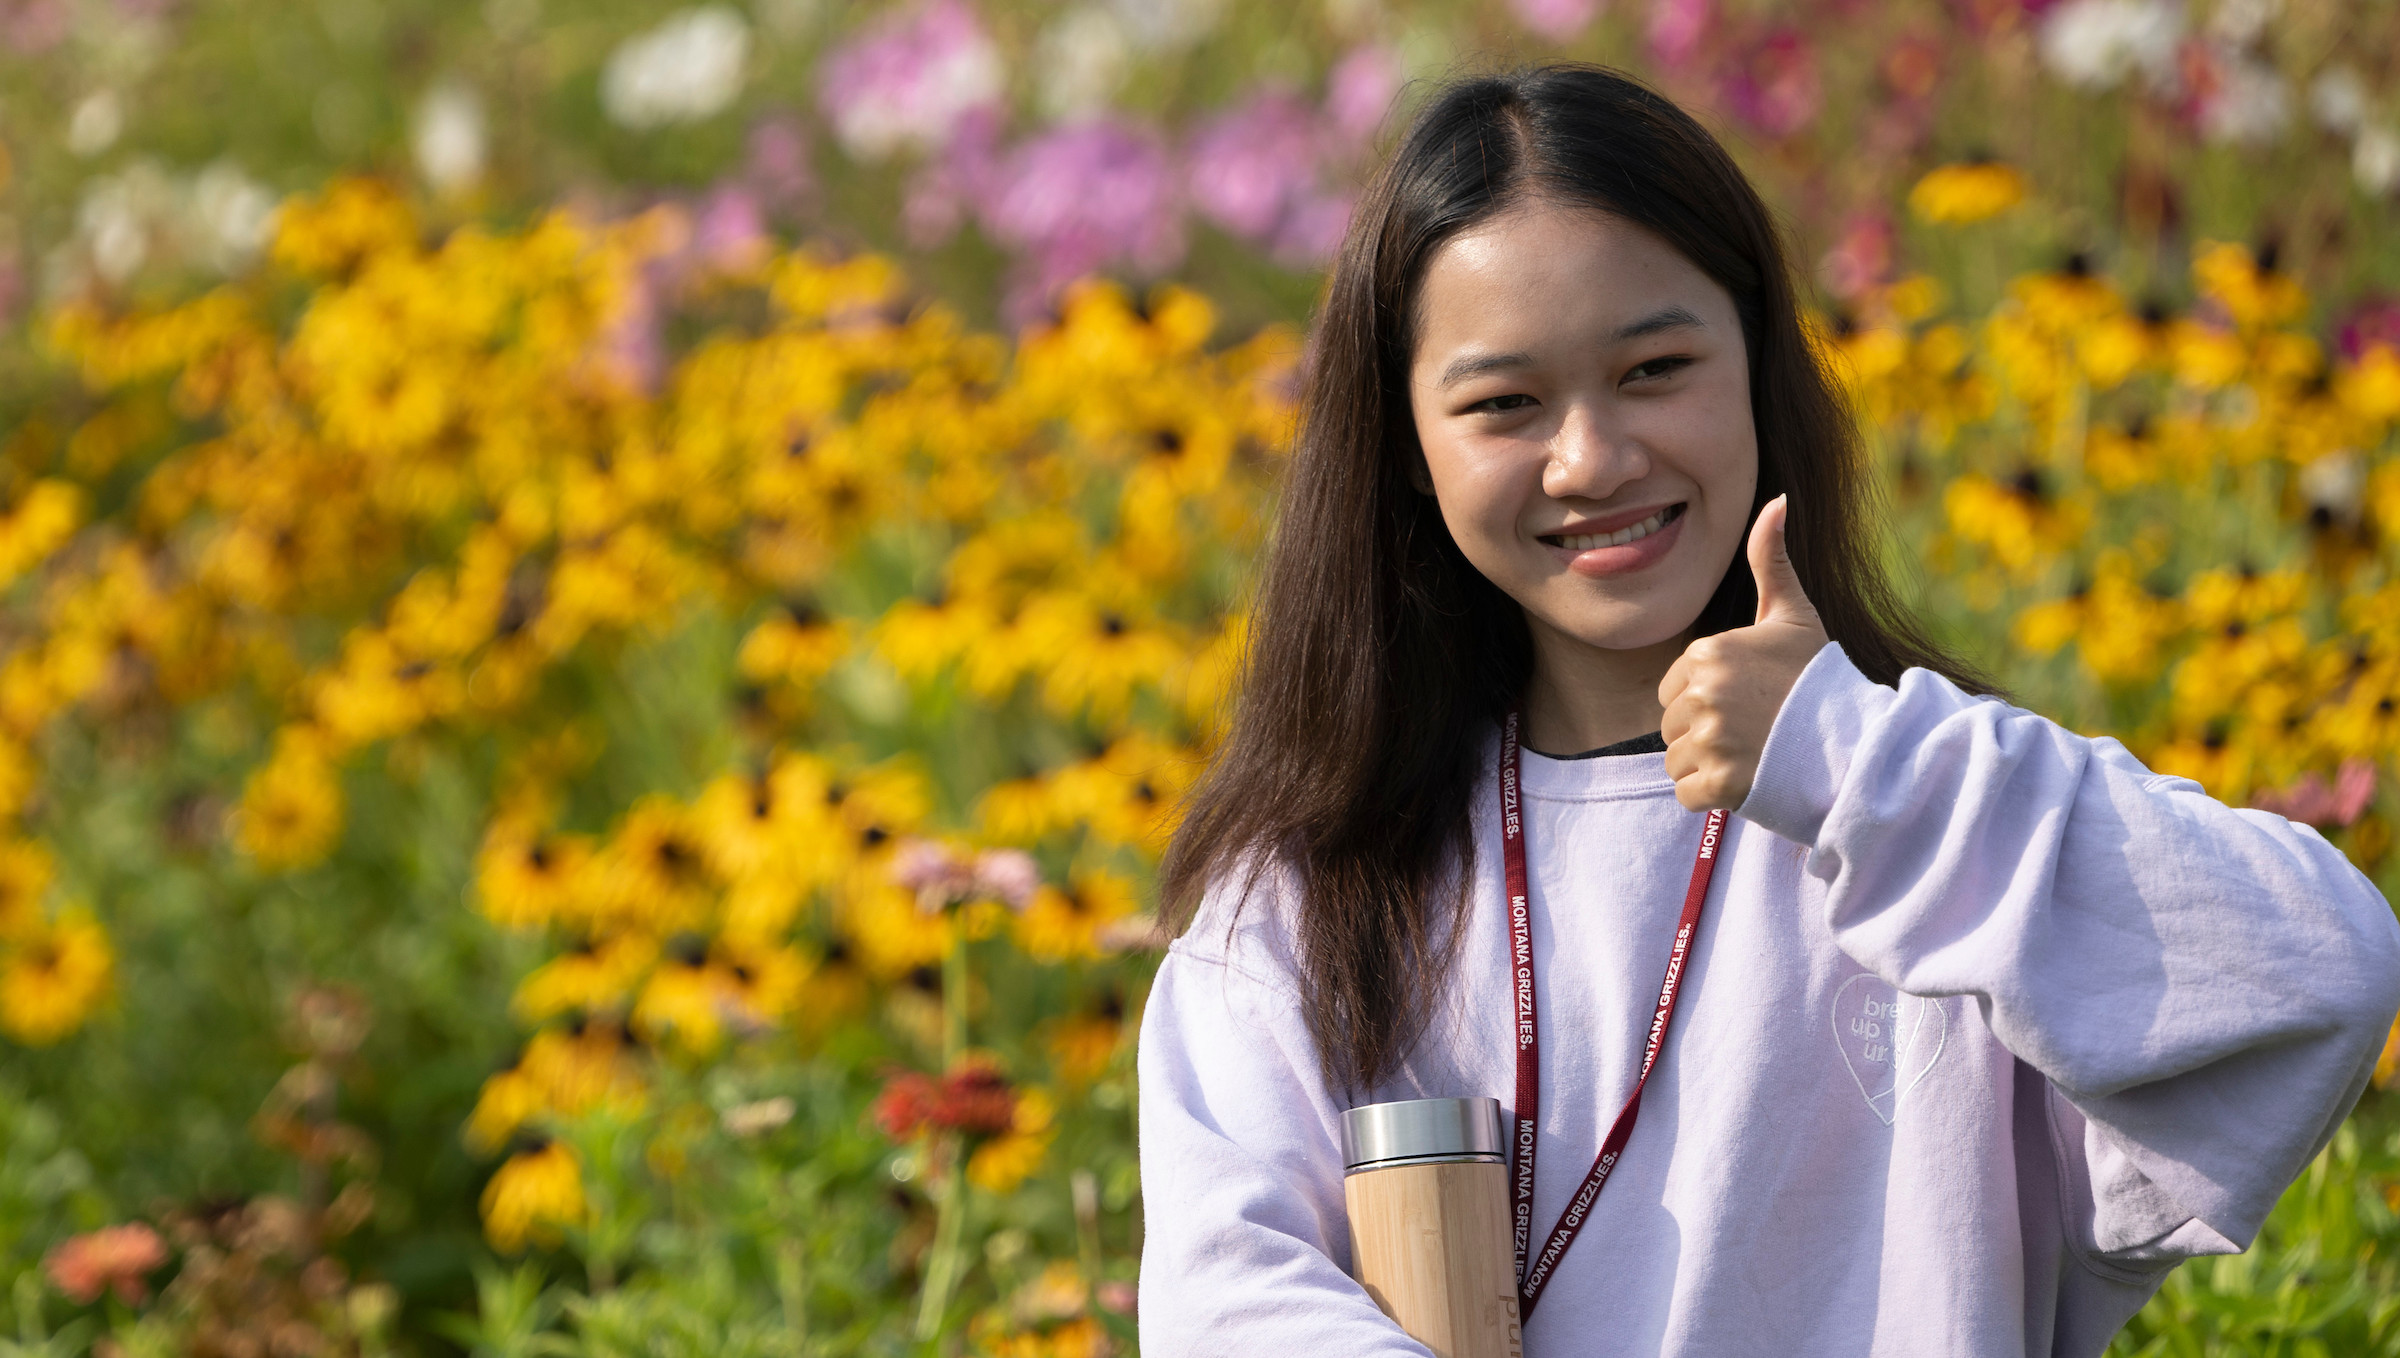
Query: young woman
point(1983, 1026)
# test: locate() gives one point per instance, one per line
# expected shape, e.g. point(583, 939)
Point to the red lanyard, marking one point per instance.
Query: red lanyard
point(1520, 939)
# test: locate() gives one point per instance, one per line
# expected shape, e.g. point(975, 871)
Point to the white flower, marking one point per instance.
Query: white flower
point(2338, 98)
point(449, 141)
point(2250, 105)
point(2239, 23)
point(96, 123)
point(115, 234)
point(118, 215)
point(2095, 44)
point(686, 69)
point(236, 215)
point(757, 1117)
point(1082, 57)
point(2375, 160)
point(1162, 25)
point(2334, 483)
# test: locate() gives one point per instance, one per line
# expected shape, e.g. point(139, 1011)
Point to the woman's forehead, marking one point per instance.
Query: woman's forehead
point(1560, 273)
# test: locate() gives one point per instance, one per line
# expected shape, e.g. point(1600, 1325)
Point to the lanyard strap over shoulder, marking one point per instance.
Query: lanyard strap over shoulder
point(1531, 1280)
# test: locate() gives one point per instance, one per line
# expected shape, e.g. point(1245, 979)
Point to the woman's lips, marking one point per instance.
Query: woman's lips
point(1629, 556)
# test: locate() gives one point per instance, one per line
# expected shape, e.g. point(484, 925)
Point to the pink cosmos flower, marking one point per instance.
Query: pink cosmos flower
point(1557, 20)
point(1078, 199)
point(1861, 258)
point(1359, 91)
point(1678, 28)
point(1774, 87)
point(632, 349)
point(35, 26)
point(731, 233)
point(776, 165)
point(1312, 231)
point(908, 79)
point(944, 192)
point(1246, 167)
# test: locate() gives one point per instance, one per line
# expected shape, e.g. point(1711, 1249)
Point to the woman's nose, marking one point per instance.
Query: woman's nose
point(1591, 456)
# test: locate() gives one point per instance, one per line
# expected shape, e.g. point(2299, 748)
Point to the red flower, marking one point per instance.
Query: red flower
point(113, 1257)
point(973, 1099)
point(977, 1101)
point(905, 1106)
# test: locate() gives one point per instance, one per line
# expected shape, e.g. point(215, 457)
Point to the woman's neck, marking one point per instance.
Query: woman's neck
point(1583, 697)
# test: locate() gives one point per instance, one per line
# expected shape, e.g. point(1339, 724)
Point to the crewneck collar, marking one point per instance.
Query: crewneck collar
point(1594, 779)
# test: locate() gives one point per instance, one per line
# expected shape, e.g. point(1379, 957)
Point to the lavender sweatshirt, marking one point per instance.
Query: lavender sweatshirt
point(1986, 1026)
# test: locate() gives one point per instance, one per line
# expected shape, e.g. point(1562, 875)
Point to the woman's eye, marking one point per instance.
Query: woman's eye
point(1501, 404)
point(1657, 367)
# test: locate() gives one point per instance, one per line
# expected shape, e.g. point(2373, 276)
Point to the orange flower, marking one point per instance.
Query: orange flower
point(113, 1258)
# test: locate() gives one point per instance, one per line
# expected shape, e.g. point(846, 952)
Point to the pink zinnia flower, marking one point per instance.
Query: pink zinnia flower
point(1008, 875)
point(909, 79)
point(940, 877)
point(2312, 801)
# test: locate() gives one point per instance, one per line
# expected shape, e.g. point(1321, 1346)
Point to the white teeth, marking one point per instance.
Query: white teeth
point(1584, 542)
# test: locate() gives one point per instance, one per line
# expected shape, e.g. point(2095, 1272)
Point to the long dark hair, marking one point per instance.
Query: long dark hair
point(1379, 657)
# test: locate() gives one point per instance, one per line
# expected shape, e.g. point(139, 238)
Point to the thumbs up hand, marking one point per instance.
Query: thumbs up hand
point(1723, 693)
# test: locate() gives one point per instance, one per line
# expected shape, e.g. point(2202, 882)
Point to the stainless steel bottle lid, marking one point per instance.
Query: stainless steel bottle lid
point(1420, 1131)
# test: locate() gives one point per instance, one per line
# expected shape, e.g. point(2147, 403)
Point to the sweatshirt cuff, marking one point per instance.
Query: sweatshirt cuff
point(1822, 721)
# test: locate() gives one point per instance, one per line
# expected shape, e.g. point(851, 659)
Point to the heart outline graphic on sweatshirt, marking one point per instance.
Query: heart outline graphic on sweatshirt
point(1880, 1017)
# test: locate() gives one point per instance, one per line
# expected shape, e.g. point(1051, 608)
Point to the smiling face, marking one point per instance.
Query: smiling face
point(1582, 395)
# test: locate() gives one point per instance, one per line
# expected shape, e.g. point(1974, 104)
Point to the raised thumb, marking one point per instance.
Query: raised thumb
point(1779, 592)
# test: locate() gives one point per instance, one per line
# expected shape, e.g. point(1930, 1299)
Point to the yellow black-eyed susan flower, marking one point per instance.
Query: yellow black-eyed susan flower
point(533, 1197)
point(1967, 191)
point(52, 977)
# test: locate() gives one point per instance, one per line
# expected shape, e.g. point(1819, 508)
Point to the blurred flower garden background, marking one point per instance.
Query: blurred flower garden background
point(607, 606)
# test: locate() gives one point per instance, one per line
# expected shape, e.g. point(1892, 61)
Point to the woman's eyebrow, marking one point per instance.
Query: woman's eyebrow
point(1476, 365)
point(1665, 318)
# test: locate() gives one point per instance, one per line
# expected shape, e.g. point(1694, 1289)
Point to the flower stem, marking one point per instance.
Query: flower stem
point(954, 997)
point(941, 1271)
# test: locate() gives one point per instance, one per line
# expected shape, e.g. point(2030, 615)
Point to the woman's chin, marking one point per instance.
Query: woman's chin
point(1632, 629)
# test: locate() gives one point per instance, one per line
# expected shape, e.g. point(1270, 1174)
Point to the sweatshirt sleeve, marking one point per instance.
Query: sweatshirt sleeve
point(2206, 989)
point(1246, 1239)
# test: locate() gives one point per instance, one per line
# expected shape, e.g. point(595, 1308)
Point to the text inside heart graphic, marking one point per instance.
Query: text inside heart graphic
point(1889, 1040)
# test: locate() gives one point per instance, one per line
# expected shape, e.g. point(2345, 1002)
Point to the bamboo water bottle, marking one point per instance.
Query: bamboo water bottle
point(1427, 1186)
